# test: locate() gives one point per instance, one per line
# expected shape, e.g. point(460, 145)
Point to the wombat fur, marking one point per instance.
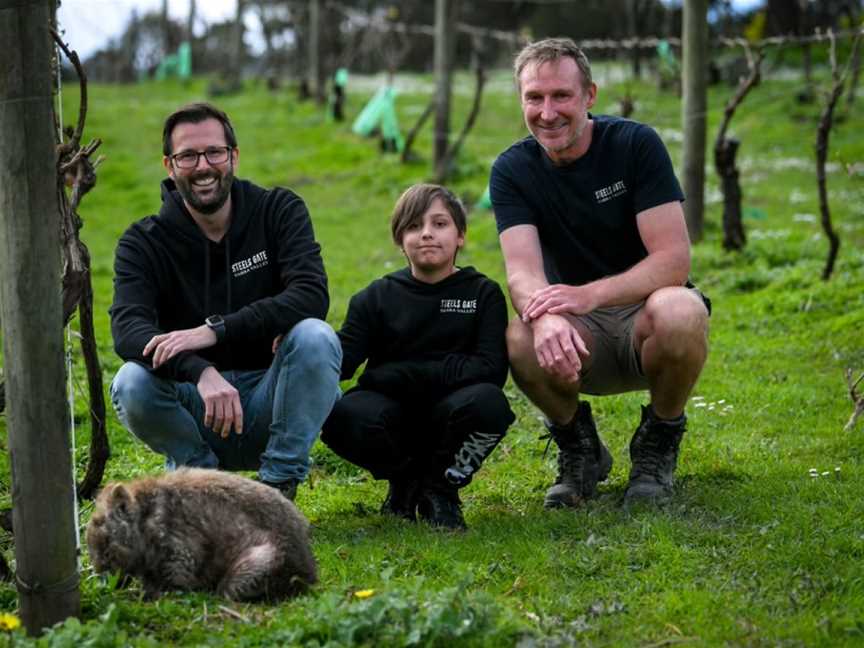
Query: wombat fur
point(197, 529)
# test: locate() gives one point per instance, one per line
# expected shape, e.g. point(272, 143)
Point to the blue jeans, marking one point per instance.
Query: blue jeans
point(284, 408)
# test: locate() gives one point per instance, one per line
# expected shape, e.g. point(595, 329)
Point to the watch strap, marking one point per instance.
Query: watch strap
point(217, 325)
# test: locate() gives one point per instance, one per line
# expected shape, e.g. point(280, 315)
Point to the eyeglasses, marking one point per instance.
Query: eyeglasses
point(213, 154)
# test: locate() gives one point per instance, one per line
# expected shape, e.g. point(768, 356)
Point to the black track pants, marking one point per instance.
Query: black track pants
point(400, 440)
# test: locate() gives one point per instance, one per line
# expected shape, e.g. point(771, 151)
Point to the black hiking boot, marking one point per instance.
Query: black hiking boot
point(583, 460)
point(440, 506)
point(654, 455)
point(401, 499)
point(288, 488)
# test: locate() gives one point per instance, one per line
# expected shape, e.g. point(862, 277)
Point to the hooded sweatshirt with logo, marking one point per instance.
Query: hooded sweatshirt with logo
point(425, 340)
point(263, 277)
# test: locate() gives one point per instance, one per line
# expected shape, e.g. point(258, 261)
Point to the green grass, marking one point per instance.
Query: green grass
point(752, 552)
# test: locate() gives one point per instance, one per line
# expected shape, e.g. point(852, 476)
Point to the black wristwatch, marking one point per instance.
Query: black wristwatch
point(217, 325)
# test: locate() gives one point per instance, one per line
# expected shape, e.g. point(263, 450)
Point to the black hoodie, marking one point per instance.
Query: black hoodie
point(264, 276)
point(426, 340)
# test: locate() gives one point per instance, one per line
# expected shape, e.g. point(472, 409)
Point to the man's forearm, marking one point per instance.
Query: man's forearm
point(271, 316)
point(658, 270)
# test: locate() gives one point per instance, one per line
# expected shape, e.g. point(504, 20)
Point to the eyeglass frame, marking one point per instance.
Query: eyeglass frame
point(198, 154)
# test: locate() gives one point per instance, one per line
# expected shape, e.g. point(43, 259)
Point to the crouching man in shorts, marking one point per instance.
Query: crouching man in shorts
point(597, 254)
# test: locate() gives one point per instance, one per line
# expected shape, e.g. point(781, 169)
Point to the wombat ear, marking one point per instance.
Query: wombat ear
point(120, 498)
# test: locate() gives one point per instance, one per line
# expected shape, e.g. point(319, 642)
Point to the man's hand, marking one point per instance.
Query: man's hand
point(559, 347)
point(559, 298)
point(167, 345)
point(222, 408)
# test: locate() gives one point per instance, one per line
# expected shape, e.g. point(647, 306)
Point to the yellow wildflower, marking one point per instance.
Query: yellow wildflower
point(364, 594)
point(9, 621)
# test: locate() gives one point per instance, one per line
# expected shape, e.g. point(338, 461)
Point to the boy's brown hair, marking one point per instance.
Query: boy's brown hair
point(414, 202)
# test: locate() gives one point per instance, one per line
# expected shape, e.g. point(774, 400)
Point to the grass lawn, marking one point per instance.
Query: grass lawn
point(753, 551)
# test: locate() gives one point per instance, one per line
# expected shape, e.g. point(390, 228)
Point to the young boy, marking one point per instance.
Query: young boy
point(428, 408)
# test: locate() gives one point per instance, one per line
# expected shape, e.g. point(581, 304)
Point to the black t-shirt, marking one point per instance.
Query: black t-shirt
point(585, 211)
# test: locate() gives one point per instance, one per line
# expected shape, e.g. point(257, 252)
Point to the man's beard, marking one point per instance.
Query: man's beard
point(216, 200)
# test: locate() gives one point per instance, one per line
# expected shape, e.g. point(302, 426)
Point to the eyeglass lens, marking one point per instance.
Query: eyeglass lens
point(189, 159)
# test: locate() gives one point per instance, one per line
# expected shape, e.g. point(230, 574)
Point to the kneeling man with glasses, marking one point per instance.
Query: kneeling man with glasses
point(218, 311)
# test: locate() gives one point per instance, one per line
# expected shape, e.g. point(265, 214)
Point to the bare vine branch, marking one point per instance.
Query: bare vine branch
point(726, 148)
point(412, 135)
point(745, 85)
point(453, 150)
point(826, 121)
point(72, 55)
point(76, 170)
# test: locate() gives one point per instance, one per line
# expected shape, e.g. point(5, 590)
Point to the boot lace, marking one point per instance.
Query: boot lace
point(657, 451)
point(576, 453)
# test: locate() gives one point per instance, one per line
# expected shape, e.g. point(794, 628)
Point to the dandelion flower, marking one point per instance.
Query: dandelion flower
point(9, 622)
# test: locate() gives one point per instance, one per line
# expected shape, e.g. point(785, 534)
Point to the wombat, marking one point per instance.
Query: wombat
point(197, 529)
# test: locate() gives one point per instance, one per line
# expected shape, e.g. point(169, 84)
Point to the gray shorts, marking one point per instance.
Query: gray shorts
point(616, 367)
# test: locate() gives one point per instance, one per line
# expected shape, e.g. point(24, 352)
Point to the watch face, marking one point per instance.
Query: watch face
point(214, 320)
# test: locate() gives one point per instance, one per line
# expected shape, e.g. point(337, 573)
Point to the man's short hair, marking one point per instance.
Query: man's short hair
point(414, 202)
point(195, 113)
point(552, 49)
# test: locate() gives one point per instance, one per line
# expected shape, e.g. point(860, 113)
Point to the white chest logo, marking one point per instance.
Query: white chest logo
point(458, 305)
point(612, 191)
point(257, 260)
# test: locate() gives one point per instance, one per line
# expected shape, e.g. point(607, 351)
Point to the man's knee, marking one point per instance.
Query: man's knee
point(676, 319)
point(314, 341)
point(133, 390)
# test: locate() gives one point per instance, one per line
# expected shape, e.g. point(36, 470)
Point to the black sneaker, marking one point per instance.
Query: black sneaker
point(288, 488)
point(440, 506)
point(654, 454)
point(401, 499)
point(583, 460)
